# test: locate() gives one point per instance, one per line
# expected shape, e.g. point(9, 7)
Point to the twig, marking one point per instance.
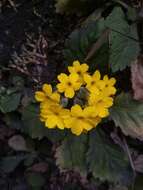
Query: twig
point(130, 159)
point(98, 44)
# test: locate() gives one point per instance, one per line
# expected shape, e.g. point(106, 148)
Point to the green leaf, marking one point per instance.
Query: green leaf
point(80, 42)
point(71, 154)
point(31, 122)
point(127, 114)
point(33, 126)
point(9, 103)
point(9, 164)
point(35, 180)
point(106, 160)
point(124, 46)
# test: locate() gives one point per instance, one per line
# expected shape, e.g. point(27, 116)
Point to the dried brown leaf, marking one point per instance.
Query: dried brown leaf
point(137, 78)
point(138, 163)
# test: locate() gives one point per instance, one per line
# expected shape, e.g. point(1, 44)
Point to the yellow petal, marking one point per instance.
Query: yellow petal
point(77, 85)
point(71, 69)
point(61, 87)
point(62, 77)
point(87, 78)
point(47, 88)
point(69, 122)
point(105, 78)
point(69, 93)
point(73, 77)
point(60, 124)
point(40, 96)
point(76, 110)
point(84, 67)
point(56, 97)
point(51, 122)
point(76, 129)
point(90, 111)
point(96, 75)
point(86, 125)
point(103, 112)
point(112, 81)
point(76, 63)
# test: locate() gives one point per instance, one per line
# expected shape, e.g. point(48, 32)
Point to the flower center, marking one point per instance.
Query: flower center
point(79, 72)
point(69, 84)
point(93, 82)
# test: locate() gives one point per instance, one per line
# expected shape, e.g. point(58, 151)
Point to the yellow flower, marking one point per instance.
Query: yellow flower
point(101, 103)
point(68, 84)
point(47, 95)
point(81, 119)
point(80, 69)
point(109, 88)
point(94, 84)
point(54, 116)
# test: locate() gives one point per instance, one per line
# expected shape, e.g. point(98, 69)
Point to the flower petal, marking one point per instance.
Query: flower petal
point(69, 93)
point(87, 78)
point(40, 96)
point(76, 110)
point(47, 88)
point(76, 128)
point(56, 97)
point(62, 77)
point(73, 78)
point(96, 75)
point(51, 122)
point(61, 87)
point(76, 63)
point(84, 67)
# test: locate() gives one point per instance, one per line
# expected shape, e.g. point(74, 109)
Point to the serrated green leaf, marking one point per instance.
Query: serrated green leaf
point(106, 160)
point(71, 154)
point(81, 41)
point(33, 126)
point(9, 103)
point(127, 114)
point(124, 46)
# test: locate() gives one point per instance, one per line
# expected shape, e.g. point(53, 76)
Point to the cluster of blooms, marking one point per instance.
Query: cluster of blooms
point(75, 116)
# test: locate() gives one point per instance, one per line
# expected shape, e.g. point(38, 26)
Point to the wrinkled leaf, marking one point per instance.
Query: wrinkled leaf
point(137, 78)
point(124, 46)
point(71, 154)
point(106, 160)
point(9, 103)
point(127, 114)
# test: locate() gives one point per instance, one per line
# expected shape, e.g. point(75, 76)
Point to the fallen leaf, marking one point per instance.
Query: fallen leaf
point(18, 143)
point(138, 163)
point(41, 167)
point(137, 78)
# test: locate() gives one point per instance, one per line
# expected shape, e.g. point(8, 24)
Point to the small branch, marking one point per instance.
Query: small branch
point(98, 44)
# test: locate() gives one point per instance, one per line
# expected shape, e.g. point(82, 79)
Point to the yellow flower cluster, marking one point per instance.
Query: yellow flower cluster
point(78, 118)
